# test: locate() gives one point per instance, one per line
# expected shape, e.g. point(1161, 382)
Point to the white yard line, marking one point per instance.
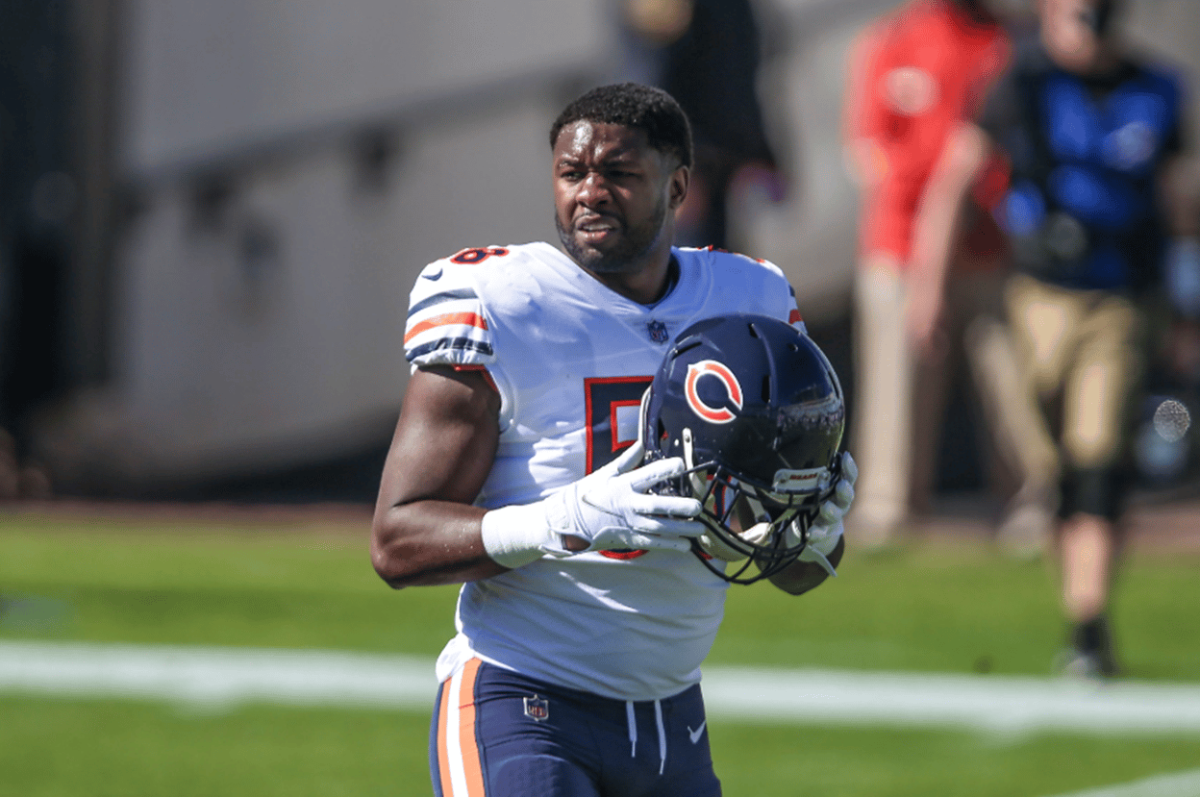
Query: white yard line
point(989, 702)
point(223, 676)
point(1179, 784)
point(217, 675)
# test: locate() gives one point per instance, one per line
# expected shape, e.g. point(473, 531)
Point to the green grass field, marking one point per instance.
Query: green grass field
point(930, 607)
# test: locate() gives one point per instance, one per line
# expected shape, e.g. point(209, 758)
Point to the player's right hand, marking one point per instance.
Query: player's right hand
point(612, 508)
point(609, 509)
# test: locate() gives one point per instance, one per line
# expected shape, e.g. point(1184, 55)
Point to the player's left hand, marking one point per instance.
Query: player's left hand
point(826, 529)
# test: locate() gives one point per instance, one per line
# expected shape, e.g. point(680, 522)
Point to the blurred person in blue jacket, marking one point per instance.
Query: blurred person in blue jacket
point(1093, 200)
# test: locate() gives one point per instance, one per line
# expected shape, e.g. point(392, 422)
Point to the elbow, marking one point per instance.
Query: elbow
point(960, 164)
point(801, 579)
point(385, 570)
point(388, 562)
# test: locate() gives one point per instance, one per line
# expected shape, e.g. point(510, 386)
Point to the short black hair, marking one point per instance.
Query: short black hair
point(639, 107)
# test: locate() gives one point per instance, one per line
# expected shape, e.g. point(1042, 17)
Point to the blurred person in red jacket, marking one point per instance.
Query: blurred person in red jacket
point(916, 75)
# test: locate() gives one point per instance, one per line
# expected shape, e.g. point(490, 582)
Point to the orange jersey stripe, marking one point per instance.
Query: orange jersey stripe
point(467, 743)
point(443, 759)
point(471, 319)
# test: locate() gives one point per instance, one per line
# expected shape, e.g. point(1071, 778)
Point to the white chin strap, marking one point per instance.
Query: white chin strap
point(758, 534)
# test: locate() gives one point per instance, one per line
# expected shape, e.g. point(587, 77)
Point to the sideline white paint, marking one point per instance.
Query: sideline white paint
point(1004, 704)
point(224, 676)
point(1179, 784)
point(217, 675)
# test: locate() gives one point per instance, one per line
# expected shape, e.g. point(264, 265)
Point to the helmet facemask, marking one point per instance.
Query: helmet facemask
point(747, 524)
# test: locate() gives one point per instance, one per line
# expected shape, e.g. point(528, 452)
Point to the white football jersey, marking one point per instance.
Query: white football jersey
point(571, 359)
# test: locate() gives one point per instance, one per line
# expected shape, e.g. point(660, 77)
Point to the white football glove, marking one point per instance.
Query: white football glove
point(608, 509)
point(827, 527)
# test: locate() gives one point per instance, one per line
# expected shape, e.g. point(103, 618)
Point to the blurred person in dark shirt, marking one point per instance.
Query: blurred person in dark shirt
point(38, 194)
point(707, 54)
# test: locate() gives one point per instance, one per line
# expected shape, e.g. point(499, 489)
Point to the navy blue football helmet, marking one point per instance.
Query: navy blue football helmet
point(756, 411)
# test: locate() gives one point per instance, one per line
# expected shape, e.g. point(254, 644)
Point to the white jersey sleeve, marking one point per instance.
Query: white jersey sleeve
point(447, 324)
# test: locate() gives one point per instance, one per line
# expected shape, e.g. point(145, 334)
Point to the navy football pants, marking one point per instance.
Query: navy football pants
point(498, 734)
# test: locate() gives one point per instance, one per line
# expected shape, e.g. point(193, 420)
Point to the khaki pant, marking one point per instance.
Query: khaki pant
point(1083, 355)
point(900, 400)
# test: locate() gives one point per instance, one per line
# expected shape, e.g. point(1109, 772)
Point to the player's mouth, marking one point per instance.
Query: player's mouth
point(597, 229)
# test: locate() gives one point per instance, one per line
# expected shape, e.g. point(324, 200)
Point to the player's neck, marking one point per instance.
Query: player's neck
point(646, 285)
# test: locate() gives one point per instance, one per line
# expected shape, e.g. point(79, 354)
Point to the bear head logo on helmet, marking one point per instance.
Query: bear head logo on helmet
point(756, 411)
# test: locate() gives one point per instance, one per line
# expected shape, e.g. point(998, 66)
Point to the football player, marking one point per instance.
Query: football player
point(593, 579)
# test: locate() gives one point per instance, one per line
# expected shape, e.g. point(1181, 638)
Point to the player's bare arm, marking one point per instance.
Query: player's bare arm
point(425, 530)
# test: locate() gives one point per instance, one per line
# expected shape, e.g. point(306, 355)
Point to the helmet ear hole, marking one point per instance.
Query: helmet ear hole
point(766, 388)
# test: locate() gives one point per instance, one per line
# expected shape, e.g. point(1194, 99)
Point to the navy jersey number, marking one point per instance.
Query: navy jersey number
point(606, 397)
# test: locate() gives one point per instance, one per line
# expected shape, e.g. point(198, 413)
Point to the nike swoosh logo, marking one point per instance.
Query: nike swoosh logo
point(433, 276)
point(695, 735)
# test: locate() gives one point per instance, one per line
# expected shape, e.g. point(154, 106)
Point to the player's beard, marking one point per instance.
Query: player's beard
point(628, 252)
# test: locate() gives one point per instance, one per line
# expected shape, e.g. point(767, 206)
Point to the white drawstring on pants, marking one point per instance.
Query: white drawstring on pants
point(632, 728)
point(662, 733)
point(662, 737)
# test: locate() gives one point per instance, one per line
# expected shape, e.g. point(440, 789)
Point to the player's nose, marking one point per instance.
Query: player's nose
point(593, 190)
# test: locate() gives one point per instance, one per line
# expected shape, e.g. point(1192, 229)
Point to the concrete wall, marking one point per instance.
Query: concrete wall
point(260, 301)
point(260, 305)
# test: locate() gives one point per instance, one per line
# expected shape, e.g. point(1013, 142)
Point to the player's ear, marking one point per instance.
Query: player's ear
point(680, 180)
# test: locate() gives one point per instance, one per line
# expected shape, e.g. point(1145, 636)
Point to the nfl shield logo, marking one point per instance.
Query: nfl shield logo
point(537, 708)
point(657, 330)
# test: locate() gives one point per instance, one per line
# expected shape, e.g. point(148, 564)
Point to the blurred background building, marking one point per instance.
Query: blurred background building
point(212, 213)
